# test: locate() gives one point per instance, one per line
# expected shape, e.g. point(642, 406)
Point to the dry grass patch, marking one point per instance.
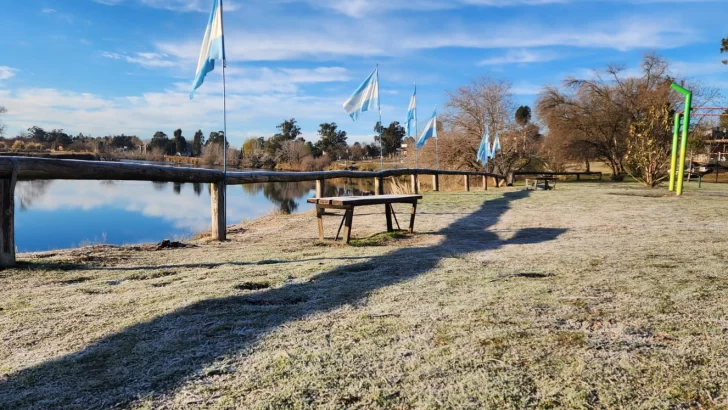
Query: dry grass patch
point(595, 295)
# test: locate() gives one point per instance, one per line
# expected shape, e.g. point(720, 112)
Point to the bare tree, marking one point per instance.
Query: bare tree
point(620, 120)
point(483, 103)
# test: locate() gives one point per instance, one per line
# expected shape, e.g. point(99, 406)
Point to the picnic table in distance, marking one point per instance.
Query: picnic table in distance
point(348, 203)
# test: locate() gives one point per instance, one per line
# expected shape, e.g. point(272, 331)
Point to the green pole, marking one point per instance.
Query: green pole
point(684, 142)
point(673, 160)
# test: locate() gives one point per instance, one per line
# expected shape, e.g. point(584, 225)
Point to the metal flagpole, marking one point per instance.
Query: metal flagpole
point(416, 131)
point(224, 125)
point(381, 126)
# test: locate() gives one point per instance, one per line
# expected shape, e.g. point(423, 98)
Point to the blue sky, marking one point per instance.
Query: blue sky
point(125, 66)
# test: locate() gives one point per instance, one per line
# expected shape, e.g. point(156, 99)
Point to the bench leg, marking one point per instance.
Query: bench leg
point(320, 217)
point(394, 214)
point(349, 216)
point(388, 212)
point(412, 218)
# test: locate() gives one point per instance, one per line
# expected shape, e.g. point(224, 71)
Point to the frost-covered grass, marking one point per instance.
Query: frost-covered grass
point(594, 295)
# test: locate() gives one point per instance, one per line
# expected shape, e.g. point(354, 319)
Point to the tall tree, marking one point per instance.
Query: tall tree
point(160, 141)
point(287, 131)
point(216, 137)
point(523, 115)
point(391, 136)
point(332, 140)
point(724, 48)
point(180, 143)
point(197, 142)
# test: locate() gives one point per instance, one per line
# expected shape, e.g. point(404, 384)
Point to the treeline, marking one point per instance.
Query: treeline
point(286, 149)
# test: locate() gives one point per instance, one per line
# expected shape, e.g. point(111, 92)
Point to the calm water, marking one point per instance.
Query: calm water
point(66, 214)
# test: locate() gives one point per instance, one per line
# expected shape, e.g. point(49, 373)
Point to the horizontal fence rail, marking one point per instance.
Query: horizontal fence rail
point(13, 169)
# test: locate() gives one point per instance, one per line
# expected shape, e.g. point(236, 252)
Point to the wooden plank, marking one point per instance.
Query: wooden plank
point(7, 236)
point(349, 217)
point(320, 185)
point(364, 200)
point(412, 218)
point(415, 184)
point(379, 185)
point(29, 168)
point(44, 168)
point(466, 181)
point(436, 183)
point(485, 183)
point(217, 199)
point(388, 213)
point(320, 216)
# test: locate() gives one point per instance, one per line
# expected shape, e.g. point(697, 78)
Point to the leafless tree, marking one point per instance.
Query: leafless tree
point(624, 121)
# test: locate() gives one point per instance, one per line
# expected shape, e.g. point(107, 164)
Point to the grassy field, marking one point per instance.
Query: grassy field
point(596, 295)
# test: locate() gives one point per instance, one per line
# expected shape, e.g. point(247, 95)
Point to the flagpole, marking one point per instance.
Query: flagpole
point(224, 125)
point(381, 126)
point(416, 130)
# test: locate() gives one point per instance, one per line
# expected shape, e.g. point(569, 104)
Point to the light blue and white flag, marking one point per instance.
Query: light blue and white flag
point(484, 150)
point(365, 98)
point(213, 46)
point(496, 145)
point(429, 131)
point(412, 114)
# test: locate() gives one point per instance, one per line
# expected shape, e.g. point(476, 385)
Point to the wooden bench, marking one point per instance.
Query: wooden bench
point(545, 178)
point(348, 203)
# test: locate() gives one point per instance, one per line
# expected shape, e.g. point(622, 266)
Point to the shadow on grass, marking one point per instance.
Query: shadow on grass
point(155, 357)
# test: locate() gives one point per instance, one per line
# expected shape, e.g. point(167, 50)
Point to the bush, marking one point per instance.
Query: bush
point(18, 146)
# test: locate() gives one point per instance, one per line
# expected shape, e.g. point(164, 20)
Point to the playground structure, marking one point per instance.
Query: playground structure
point(682, 119)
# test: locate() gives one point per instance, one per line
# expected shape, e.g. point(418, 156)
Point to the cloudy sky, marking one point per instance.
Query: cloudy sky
point(126, 66)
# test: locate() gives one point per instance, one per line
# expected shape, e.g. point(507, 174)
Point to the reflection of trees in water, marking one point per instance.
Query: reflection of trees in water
point(283, 194)
point(177, 188)
point(349, 187)
point(197, 187)
point(27, 192)
point(159, 186)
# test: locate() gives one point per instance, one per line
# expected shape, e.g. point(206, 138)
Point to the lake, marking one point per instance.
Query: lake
point(65, 214)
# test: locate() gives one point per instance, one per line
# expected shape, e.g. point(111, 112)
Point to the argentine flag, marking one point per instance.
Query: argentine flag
point(412, 114)
point(496, 145)
point(365, 98)
point(484, 150)
point(429, 131)
point(213, 46)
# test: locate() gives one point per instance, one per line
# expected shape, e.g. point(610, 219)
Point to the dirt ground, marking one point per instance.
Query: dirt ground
point(595, 295)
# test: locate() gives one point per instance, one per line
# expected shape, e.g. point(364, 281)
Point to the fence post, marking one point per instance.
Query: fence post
point(7, 207)
point(379, 185)
point(320, 184)
point(485, 182)
point(435, 182)
point(466, 179)
point(217, 198)
point(415, 184)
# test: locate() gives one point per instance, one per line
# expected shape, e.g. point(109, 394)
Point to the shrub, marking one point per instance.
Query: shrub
point(18, 145)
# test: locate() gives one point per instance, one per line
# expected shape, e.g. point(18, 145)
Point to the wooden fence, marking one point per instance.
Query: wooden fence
point(13, 169)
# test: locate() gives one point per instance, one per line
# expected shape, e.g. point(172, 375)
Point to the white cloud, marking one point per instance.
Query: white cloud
point(522, 56)
point(144, 59)
point(48, 10)
point(6, 72)
point(175, 5)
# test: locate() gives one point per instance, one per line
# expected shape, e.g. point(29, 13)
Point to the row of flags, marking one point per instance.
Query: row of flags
point(365, 98)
